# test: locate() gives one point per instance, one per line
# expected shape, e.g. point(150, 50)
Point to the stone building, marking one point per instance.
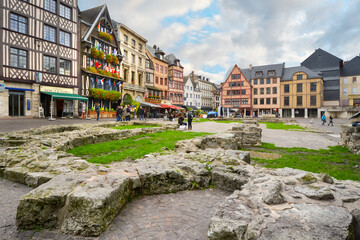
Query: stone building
point(216, 98)
point(265, 81)
point(133, 69)
point(350, 88)
point(206, 93)
point(157, 56)
point(176, 80)
point(100, 57)
point(39, 58)
point(192, 94)
point(237, 91)
point(302, 93)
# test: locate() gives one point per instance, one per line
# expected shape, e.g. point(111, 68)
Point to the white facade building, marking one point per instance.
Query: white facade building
point(192, 95)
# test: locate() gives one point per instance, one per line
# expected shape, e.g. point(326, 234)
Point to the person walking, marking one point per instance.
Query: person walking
point(141, 114)
point(97, 110)
point(128, 113)
point(84, 111)
point(118, 114)
point(331, 121)
point(190, 118)
point(323, 118)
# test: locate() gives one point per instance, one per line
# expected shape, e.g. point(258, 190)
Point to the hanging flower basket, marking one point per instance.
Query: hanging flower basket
point(105, 95)
point(101, 55)
point(105, 36)
point(94, 52)
point(109, 58)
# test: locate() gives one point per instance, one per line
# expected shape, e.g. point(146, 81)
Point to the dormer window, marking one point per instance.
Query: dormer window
point(271, 73)
point(258, 74)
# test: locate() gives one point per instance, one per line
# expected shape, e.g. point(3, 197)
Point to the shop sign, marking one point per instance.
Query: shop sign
point(28, 104)
point(56, 89)
point(2, 87)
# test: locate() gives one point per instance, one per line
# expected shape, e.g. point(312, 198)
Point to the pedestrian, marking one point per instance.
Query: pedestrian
point(323, 118)
point(190, 118)
point(118, 114)
point(141, 114)
point(84, 111)
point(128, 113)
point(181, 121)
point(331, 121)
point(97, 110)
point(165, 115)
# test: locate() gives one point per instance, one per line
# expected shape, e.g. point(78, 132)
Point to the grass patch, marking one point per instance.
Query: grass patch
point(336, 161)
point(281, 126)
point(133, 147)
point(134, 126)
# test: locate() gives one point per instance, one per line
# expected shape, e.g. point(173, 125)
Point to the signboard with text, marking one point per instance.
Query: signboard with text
point(56, 89)
point(2, 87)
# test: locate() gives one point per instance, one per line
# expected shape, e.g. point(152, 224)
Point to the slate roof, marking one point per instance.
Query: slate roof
point(172, 60)
point(250, 74)
point(289, 72)
point(351, 68)
point(321, 59)
point(153, 52)
point(91, 14)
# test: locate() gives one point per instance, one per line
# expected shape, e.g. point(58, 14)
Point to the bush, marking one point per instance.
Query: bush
point(127, 99)
point(105, 95)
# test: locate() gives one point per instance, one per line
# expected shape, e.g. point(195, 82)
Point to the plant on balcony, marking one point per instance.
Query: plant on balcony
point(114, 75)
point(92, 69)
point(115, 60)
point(105, 73)
point(101, 55)
point(105, 95)
point(105, 36)
point(109, 58)
point(94, 52)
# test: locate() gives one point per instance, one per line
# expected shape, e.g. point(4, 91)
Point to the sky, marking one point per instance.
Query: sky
point(211, 36)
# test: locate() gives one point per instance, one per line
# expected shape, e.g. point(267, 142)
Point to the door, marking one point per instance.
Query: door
point(16, 103)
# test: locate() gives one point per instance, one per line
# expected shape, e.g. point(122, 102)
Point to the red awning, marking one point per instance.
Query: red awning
point(171, 107)
point(165, 106)
point(175, 107)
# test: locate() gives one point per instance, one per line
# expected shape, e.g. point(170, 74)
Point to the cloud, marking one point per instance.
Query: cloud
point(221, 33)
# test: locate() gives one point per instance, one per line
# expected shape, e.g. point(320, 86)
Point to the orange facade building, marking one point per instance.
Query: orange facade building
point(176, 80)
point(237, 91)
point(161, 69)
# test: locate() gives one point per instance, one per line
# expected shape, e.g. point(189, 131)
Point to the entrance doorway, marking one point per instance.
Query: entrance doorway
point(16, 103)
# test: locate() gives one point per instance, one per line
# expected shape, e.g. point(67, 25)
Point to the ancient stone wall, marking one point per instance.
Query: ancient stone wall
point(350, 138)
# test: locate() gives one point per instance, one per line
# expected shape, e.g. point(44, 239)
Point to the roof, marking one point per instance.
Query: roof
point(121, 25)
point(90, 15)
point(321, 59)
point(351, 68)
point(251, 73)
point(172, 60)
point(153, 52)
point(289, 72)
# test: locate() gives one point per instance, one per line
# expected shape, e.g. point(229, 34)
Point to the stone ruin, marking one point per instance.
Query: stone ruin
point(350, 138)
point(82, 198)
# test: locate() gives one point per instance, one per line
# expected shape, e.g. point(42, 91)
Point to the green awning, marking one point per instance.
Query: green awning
point(67, 96)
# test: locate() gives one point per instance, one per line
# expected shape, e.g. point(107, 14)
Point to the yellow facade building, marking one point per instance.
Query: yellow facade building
point(302, 93)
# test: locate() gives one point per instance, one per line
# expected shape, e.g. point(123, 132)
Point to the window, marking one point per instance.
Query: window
point(274, 90)
point(243, 92)
point(228, 93)
point(161, 69)
point(65, 38)
point(268, 81)
point(125, 38)
point(274, 80)
point(50, 5)
point(49, 64)
point(299, 100)
point(132, 58)
point(286, 88)
point(299, 77)
point(157, 80)
point(313, 87)
point(286, 101)
point(166, 71)
point(268, 90)
point(312, 100)
point(140, 61)
point(354, 80)
point(255, 101)
point(18, 58)
point(345, 91)
point(18, 23)
point(133, 43)
point(354, 90)
point(299, 87)
point(258, 74)
point(157, 67)
point(345, 80)
point(274, 100)
point(161, 81)
point(271, 73)
point(49, 33)
point(261, 81)
point(147, 64)
point(261, 90)
point(255, 81)
point(65, 11)
point(261, 101)
point(236, 76)
point(65, 67)
point(255, 91)
point(125, 55)
point(268, 101)
point(140, 47)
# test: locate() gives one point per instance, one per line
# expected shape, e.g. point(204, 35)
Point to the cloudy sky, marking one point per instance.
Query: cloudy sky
point(210, 36)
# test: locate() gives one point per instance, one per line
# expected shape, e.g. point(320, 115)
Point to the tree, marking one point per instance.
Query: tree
point(127, 99)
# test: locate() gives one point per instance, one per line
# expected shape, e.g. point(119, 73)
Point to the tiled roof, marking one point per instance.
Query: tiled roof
point(351, 68)
point(321, 59)
point(289, 72)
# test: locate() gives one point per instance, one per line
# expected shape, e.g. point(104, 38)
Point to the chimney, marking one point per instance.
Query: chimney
point(154, 46)
point(250, 67)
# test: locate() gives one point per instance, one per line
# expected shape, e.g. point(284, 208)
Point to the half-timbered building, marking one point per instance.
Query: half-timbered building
point(39, 41)
point(100, 58)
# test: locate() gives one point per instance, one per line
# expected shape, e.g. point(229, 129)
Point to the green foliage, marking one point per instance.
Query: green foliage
point(189, 109)
point(94, 52)
point(282, 126)
point(127, 99)
point(133, 147)
point(98, 93)
point(336, 161)
point(105, 36)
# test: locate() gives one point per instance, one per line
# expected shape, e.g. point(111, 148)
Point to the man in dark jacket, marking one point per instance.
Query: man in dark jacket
point(97, 110)
point(141, 114)
point(118, 113)
point(190, 118)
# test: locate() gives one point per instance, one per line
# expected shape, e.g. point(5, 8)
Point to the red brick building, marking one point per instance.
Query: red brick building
point(237, 92)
